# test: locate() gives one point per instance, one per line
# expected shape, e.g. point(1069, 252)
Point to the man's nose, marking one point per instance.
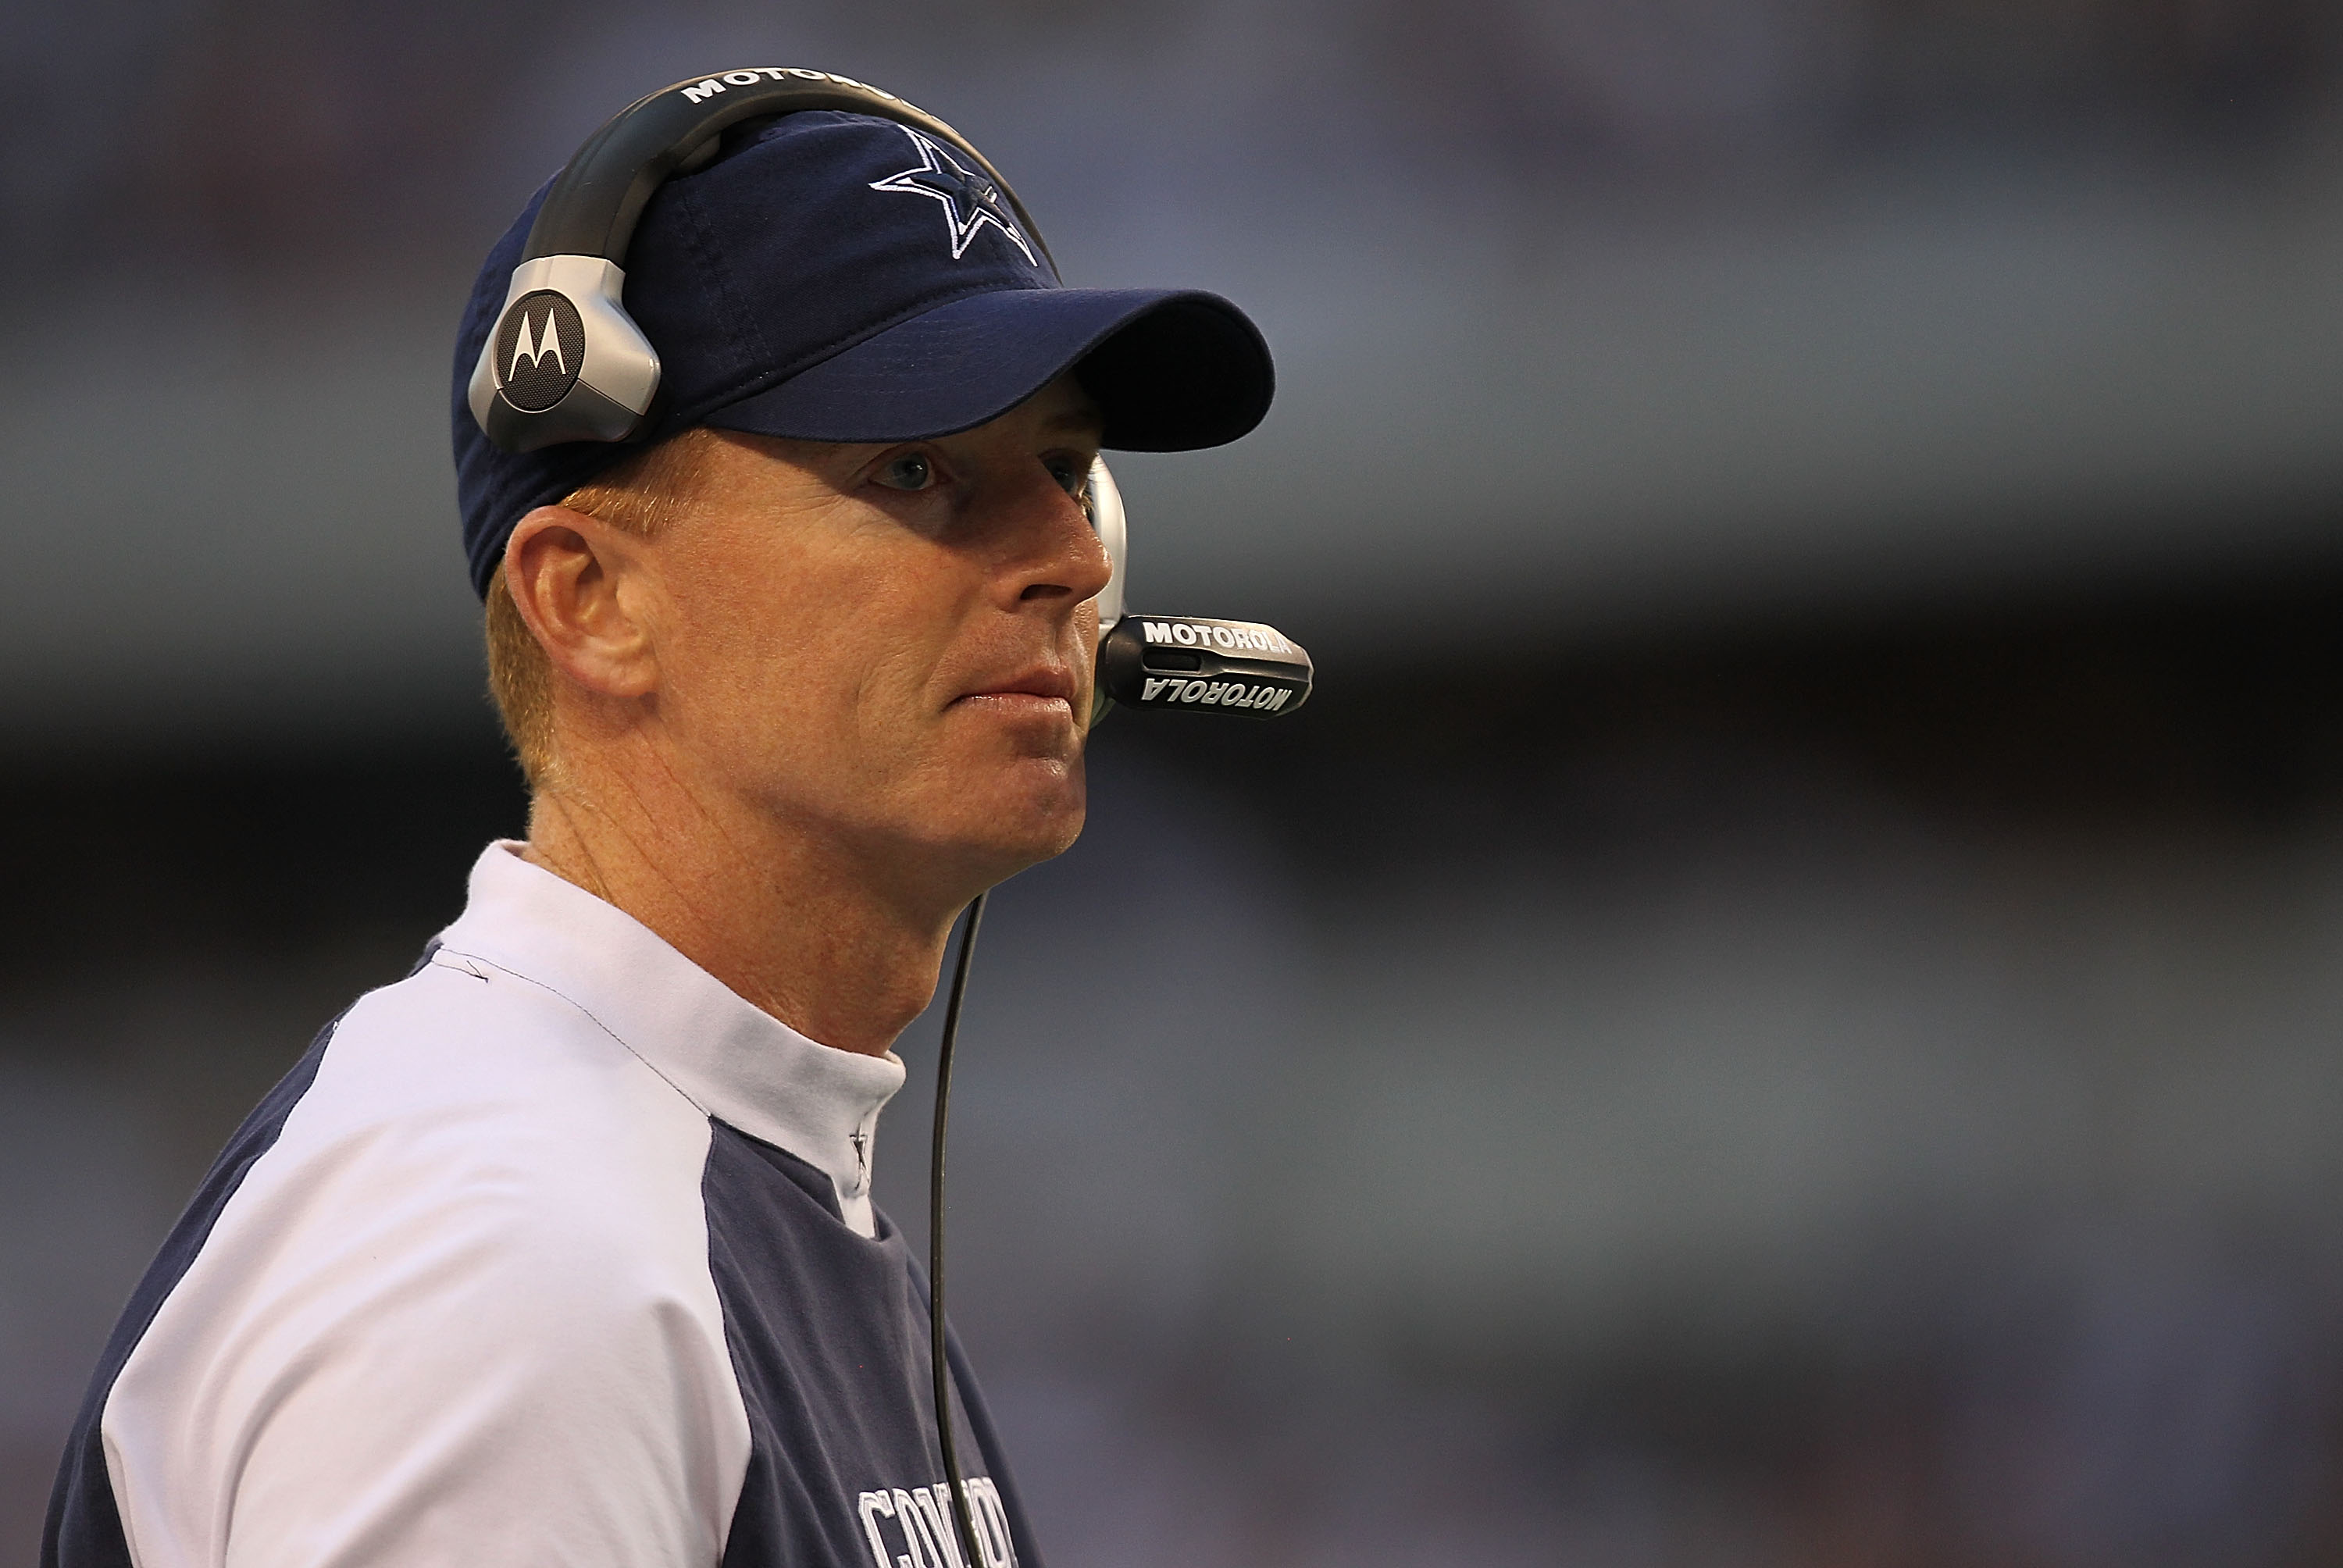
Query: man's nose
point(1064, 556)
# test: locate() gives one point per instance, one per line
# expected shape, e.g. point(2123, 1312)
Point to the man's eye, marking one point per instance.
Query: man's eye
point(909, 472)
point(1070, 477)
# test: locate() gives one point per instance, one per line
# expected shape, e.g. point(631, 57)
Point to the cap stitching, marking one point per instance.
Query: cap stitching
point(710, 260)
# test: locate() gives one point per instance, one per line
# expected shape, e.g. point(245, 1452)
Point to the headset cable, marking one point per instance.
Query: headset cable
point(938, 1355)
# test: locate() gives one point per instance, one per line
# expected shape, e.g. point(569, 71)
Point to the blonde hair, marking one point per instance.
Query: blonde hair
point(641, 495)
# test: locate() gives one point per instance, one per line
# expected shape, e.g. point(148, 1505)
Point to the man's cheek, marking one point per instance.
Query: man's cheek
point(901, 673)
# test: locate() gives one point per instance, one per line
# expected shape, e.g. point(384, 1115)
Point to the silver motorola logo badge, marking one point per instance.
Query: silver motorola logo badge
point(540, 346)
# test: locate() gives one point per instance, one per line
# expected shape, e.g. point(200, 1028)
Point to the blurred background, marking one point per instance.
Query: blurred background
point(1782, 1005)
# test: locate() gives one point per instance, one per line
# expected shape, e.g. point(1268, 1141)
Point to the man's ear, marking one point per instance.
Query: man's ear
point(583, 587)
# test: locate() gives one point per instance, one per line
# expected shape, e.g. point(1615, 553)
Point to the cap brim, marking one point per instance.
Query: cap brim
point(1171, 370)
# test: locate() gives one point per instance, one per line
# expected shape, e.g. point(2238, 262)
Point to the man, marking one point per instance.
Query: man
point(562, 1250)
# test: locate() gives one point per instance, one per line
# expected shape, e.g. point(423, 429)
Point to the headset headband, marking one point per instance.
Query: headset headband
point(590, 374)
point(595, 202)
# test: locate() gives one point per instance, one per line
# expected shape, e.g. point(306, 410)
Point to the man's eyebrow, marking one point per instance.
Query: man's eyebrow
point(1085, 421)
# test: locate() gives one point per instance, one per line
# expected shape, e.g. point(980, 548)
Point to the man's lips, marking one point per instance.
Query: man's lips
point(1029, 688)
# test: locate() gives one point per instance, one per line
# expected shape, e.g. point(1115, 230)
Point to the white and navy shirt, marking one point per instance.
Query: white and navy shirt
point(556, 1252)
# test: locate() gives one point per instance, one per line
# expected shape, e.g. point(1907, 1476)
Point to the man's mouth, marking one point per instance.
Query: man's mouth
point(1036, 689)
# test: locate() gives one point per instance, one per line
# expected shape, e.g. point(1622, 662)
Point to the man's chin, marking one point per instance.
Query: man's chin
point(1032, 812)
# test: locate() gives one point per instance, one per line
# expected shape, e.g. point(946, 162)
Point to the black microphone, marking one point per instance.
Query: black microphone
point(1200, 666)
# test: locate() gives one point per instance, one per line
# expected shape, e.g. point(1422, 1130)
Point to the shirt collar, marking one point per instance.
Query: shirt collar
point(737, 1063)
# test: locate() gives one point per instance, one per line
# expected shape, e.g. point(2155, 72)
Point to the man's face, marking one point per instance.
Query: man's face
point(891, 646)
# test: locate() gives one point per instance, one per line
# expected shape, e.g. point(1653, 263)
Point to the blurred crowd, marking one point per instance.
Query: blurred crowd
point(270, 137)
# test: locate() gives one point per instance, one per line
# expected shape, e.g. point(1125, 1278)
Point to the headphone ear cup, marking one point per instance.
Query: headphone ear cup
point(565, 362)
point(1103, 501)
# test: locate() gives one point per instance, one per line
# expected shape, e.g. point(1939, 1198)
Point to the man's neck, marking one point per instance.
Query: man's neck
point(788, 919)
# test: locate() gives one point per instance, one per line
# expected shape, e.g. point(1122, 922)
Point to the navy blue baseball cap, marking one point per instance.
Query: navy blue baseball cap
point(837, 277)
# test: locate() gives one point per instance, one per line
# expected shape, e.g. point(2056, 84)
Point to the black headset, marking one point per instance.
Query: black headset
point(573, 267)
point(569, 290)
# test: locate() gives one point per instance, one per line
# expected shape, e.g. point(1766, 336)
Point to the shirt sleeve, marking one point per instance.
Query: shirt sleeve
point(424, 1336)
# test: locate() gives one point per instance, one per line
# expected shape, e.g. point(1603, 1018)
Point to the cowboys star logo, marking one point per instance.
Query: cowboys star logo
point(970, 199)
point(540, 348)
